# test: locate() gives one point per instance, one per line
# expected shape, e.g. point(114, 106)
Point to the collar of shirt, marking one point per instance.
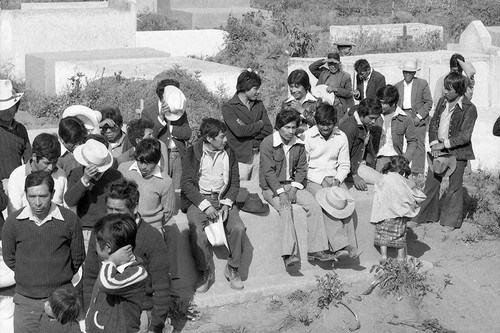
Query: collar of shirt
point(159, 107)
point(408, 85)
point(358, 119)
point(156, 171)
point(308, 97)
point(398, 112)
point(277, 141)
point(459, 103)
point(54, 213)
point(315, 132)
point(207, 151)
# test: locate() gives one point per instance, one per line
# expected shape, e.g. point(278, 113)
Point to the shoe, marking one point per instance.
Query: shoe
point(291, 260)
point(204, 279)
point(321, 256)
point(352, 251)
point(233, 277)
point(448, 229)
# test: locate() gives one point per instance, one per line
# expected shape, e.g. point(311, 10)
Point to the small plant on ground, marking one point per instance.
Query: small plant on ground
point(400, 279)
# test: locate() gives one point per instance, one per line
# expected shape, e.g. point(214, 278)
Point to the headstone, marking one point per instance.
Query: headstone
point(388, 32)
point(475, 38)
point(495, 35)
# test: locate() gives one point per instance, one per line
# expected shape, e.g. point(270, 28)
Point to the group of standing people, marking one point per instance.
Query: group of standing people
point(108, 203)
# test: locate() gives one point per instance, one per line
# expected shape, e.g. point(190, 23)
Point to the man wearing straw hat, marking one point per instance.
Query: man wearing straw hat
point(209, 186)
point(415, 99)
point(171, 124)
point(15, 145)
point(86, 183)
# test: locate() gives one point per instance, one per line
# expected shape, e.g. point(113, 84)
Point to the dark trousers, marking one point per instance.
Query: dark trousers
point(418, 161)
point(175, 168)
point(453, 204)
point(28, 313)
point(235, 231)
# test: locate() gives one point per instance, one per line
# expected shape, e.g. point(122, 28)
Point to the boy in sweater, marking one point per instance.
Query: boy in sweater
point(43, 245)
point(119, 289)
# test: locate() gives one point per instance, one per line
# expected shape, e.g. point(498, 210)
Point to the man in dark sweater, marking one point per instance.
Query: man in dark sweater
point(43, 245)
point(86, 184)
point(15, 145)
point(123, 197)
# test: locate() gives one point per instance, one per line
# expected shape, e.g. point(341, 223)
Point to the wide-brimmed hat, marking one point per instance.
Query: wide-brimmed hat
point(216, 234)
point(91, 118)
point(467, 67)
point(410, 66)
point(443, 165)
point(319, 91)
point(336, 201)
point(333, 57)
point(175, 100)
point(94, 152)
point(8, 96)
point(344, 43)
point(253, 204)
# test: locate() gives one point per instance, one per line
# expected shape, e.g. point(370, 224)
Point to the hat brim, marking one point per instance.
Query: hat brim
point(216, 234)
point(406, 69)
point(78, 155)
point(332, 61)
point(451, 168)
point(90, 118)
point(4, 105)
point(174, 116)
point(336, 213)
point(344, 44)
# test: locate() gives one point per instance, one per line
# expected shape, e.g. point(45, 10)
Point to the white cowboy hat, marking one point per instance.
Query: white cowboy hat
point(91, 118)
point(8, 96)
point(410, 66)
point(319, 91)
point(94, 152)
point(443, 165)
point(467, 67)
point(216, 234)
point(175, 100)
point(336, 201)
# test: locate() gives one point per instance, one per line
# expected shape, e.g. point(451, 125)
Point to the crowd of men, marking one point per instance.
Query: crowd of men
point(311, 154)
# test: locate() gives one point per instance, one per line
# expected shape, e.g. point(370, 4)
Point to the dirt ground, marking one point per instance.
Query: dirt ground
point(463, 296)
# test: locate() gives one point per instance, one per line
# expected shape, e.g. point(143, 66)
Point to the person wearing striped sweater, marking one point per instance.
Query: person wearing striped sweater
point(120, 287)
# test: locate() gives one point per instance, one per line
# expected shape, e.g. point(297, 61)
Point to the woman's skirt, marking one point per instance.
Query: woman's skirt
point(391, 232)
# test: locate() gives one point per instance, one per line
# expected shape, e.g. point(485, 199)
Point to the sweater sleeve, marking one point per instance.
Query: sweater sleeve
point(9, 242)
point(181, 129)
point(76, 189)
point(168, 198)
point(267, 128)
point(315, 67)
point(90, 272)
point(112, 282)
point(77, 245)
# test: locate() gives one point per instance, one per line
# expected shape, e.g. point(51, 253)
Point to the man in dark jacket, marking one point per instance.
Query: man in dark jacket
point(171, 127)
point(248, 124)
point(123, 197)
point(368, 80)
point(209, 186)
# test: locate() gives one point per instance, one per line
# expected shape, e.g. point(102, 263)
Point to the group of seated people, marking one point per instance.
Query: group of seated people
point(107, 204)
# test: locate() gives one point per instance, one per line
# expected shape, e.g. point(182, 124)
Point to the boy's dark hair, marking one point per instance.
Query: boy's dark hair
point(211, 127)
point(369, 106)
point(117, 230)
point(454, 61)
point(287, 116)
point(247, 80)
point(37, 178)
point(299, 77)
point(72, 130)
point(160, 87)
point(456, 81)
point(361, 65)
point(109, 112)
point(65, 305)
point(398, 164)
point(389, 94)
point(325, 114)
point(136, 128)
point(46, 145)
point(123, 189)
point(148, 151)
point(98, 137)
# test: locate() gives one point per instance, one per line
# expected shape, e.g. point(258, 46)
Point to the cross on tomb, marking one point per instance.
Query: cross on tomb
point(405, 36)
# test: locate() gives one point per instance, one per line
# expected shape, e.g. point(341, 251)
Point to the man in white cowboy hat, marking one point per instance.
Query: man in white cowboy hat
point(86, 183)
point(329, 72)
point(171, 124)
point(91, 118)
point(344, 47)
point(15, 146)
point(416, 100)
point(327, 150)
